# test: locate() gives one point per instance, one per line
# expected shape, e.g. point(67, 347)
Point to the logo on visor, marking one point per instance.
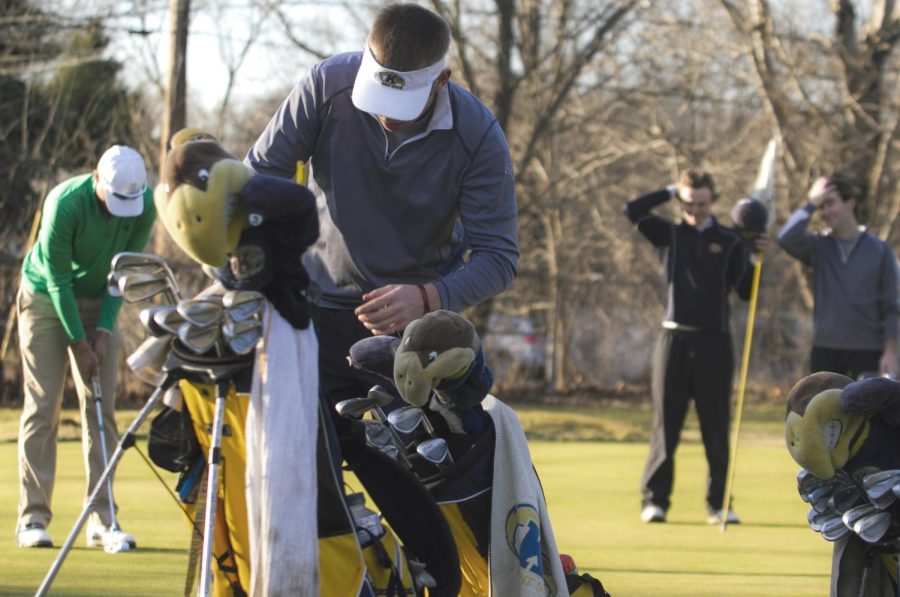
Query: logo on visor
point(390, 79)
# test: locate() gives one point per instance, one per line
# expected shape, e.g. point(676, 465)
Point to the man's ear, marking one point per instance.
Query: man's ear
point(444, 76)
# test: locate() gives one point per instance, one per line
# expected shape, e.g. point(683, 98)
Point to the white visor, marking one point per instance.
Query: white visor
point(391, 93)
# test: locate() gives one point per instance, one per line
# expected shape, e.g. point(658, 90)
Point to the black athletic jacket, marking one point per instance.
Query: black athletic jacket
point(699, 268)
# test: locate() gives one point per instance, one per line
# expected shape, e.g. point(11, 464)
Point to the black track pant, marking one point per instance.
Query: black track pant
point(698, 366)
point(852, 363)
point(337, 330)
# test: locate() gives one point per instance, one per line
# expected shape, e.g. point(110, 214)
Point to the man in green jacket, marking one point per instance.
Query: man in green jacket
point(66, 315)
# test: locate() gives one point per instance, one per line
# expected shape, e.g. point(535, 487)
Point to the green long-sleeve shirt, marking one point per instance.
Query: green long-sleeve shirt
point(77, 240)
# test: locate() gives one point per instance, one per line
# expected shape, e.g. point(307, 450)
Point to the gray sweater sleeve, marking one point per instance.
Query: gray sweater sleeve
point(488, 215)
point(888, 299)
point(291, 134)
point(794, 238)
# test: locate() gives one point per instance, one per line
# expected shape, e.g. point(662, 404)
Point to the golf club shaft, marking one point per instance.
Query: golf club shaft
point(125, 442)
point(101, 431)
point(742, 387)
point(212, 490)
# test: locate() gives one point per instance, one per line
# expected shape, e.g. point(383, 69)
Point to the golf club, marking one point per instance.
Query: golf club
point(113, 542)
point(137, 287)
point(879, 487)
point(169, 319)
point(242, 336)
point(407, 419)
point(147, 317)
point(199, 340)
point(145, 263)
point(436, 452)
point(202, 312)
point(376, 398)
point(872, 527)
point(845, 498)
point(834, 528)
point(241, 305)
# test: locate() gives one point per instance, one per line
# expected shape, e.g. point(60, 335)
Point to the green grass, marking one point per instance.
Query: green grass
point(592, 493)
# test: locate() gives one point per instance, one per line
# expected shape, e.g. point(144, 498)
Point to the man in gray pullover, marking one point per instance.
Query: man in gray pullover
point(415, 187)
point(855, 283)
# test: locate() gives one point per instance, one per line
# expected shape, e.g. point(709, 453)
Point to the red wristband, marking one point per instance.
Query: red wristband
point(424, 294)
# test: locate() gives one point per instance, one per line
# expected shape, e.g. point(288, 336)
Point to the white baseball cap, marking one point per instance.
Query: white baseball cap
point(398, 95)
point(122, 175)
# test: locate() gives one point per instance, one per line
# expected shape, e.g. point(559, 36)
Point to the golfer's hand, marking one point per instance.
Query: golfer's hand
point(819, 190)
point(101, 341)
point(888, 363)
point(760, 245)
point(86, 359)
point(389, 309)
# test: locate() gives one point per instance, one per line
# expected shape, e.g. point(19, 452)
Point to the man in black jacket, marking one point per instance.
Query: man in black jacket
point(702, 261)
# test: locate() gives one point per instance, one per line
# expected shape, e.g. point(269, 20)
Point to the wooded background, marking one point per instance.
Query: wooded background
point(601, 101)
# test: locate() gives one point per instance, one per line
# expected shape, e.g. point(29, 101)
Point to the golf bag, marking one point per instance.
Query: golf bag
point(358, 555)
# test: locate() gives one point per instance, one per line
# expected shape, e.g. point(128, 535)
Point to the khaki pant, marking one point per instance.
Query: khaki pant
point(46, 357)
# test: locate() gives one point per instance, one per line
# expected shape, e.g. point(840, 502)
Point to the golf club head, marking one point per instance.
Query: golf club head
point(880, 483)
point(872, 528)
point(198, 340)
point(145, 263)
point(147, 317)
point(884, 502)
point(807, 483)
point(820, 497)
point(148, 359)
point(852, 515)
point(241, 305)
point(136, 287)
point(242, 336)
point(436, 452)
point(169, 319)
point(391, 451)
point(381, 396)
point(406, 419)
point(112, 285)
point(355, 408)
point(834, 528)
point(377, 435)
point(816, 519)
point(204, 312)
point(845, 498)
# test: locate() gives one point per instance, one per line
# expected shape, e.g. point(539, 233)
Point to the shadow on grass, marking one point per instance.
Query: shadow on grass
point(599, 570)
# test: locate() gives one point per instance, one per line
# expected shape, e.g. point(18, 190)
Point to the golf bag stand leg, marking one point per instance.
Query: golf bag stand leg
point(101, 431)
point(212, 488)
point(126, 441)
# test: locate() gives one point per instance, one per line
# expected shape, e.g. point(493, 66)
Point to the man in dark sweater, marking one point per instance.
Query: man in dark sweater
point(854, 287)
point(702, 262)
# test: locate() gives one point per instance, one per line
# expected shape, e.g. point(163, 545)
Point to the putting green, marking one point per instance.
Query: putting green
point(592, 493)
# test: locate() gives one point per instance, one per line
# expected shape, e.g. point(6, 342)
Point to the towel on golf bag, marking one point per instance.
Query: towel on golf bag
point(282, 426)
point(523, 559)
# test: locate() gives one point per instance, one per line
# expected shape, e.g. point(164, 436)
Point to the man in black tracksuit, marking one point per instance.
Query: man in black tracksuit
point(702, 261)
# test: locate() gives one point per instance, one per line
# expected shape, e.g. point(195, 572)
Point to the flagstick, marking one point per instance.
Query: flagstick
point(742, 386)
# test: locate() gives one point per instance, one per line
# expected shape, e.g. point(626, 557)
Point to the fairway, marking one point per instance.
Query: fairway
point(592, 493)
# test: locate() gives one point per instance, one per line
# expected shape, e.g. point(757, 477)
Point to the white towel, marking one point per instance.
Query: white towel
point(520, 526)
point(282, 423)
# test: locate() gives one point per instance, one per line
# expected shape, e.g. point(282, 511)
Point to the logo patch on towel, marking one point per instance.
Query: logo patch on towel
point(523, 536)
